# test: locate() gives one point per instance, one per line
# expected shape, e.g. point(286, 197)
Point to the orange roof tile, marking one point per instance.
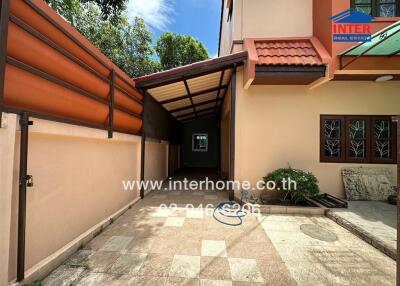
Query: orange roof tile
point(297, 52)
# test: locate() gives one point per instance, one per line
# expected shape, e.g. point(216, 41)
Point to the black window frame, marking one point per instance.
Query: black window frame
point(375, 5)
point(370, 141)
point(229, 6)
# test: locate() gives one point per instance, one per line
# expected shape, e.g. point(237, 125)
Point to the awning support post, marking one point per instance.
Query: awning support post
point(232, 133)
point(143, 148)
point(23, 180)
point(111, 105)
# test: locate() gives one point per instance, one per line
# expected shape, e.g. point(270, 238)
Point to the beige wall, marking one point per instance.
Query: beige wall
point(78, 175)
point(7, 147)
point(266, 19)
point(156, 160)
point(279, 125)
point(226, 32)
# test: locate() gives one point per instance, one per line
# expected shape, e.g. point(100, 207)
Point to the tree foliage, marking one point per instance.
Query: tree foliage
point(109, 8)
point(128, 45)
point(177, 50)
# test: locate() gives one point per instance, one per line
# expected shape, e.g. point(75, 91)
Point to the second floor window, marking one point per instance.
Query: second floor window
point(378, 8)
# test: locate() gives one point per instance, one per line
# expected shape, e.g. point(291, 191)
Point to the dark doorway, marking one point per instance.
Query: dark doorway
point(200, 146)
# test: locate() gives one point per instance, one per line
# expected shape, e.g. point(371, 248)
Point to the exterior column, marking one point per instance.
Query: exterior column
point(232, 139)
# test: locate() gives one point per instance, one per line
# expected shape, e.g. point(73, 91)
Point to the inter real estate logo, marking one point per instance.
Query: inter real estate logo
point(351, 26)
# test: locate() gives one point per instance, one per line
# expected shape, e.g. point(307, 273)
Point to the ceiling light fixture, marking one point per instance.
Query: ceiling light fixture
point(384, 78)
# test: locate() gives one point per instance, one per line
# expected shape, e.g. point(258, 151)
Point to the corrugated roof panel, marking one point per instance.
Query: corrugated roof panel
point(227, 76)
point(168, 91)
point(205, 106)
point(177, 104)
point(204, 82)
point(390, 43)
point(205, 97)
point(182, 112)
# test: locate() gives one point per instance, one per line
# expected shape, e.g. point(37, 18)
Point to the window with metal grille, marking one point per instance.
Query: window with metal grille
point(378, 8)
point(200, 142)
point(357, 139)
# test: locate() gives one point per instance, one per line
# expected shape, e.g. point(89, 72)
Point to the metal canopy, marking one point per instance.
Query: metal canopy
point(385, 43)
point(192, 91)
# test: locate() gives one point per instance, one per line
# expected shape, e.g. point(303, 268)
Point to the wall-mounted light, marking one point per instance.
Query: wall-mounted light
point(384, 78)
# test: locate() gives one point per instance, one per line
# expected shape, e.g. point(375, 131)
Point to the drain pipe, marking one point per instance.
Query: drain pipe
point(24, 180)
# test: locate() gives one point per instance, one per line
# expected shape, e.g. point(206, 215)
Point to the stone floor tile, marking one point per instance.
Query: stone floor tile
point(240, 283)
point(275, 273)
point(115, 280)
point(185, 266)
point(179, 281)
point(148, 281)
point(174, 222)
point(164, 245)
point(156, 265)
point(90, 279)
point(104, 279)
point(210, 197)
point(213, 248)
point(159, 196)
point(97, 242)
point(128, 263)
point(80, 258)
point(195, 213)
point(116, 243)
point(140, 245)
point(245, 270)
point(264, 250)
point(101, 261)
point(63, 276)
point(163, 212)
point(206, 282)
point(190, 246)
point(215, 268)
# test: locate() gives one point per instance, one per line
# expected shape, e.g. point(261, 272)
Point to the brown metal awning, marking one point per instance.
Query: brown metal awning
point(195, 90)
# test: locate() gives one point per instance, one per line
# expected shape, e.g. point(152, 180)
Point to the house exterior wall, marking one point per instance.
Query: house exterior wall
point(78, 175)
point(156, 160)
point(265, 19)
point(7, 143)
point(277, 126)
point(227, 30)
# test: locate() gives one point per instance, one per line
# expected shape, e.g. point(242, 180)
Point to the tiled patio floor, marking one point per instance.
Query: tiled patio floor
point(149, 245)
point(330, 256)
point(377, 219)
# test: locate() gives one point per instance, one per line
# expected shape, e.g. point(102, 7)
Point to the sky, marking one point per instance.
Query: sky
point(198, 18)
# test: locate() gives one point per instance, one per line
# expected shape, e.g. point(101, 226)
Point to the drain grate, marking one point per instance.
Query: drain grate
point(318, 232)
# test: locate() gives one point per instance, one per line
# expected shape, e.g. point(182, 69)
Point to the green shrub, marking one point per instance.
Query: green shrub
point(306, 183)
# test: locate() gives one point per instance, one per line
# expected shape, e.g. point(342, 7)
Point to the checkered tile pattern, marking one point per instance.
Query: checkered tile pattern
point(152, 245)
